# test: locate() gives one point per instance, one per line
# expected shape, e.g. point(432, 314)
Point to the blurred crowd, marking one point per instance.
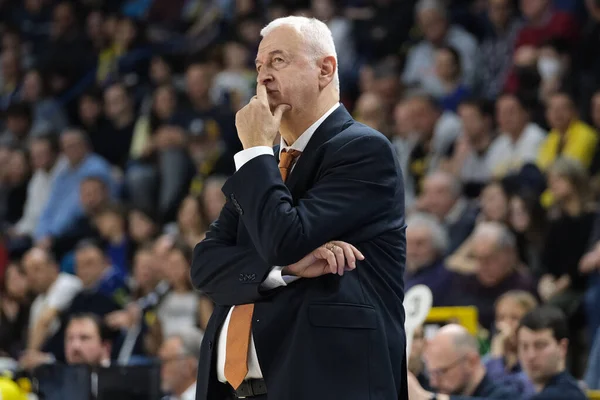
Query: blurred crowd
point(118, 132)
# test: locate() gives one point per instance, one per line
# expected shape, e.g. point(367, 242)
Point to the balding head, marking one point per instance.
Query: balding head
point(494, 248)
point(441, 191)
point(40, 268)
point(452, 358)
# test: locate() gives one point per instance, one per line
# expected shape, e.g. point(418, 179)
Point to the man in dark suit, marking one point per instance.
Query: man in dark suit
point(300, 312)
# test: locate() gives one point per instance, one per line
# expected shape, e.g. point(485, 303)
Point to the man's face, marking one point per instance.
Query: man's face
point(437, 196)
point(533, 9)
point(560, 112)
point(197, 79)
point(499, 12)
point(433, 25)
point(90, 265)
point(449, 370)
point(41, 155)
point(287, 71)
point(473, 122)
point(173, 365)
point(510, 115)
point(419, 247)
point(423, 117)
point(73, 146)
point(92, 194)
point(38, 271)
point(116, 102)
point(541, 355)
point(493, 264)
point(83, 344)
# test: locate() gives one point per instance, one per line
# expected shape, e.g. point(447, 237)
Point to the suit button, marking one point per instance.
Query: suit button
point(252, 277)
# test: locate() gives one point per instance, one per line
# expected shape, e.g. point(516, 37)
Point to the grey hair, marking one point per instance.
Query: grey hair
point(435, 5)
point(316, 34)
point(439, 235)
point(191, 340)
point(462, 340)
point(453, 181)
point(500, 232)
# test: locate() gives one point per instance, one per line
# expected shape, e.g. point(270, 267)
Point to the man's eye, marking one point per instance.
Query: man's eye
point(278, 59)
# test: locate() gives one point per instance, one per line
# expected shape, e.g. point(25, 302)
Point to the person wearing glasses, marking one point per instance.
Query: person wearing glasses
point(455, 369)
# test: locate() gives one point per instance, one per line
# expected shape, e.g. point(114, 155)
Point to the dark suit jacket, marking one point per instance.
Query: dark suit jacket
point(325, 338)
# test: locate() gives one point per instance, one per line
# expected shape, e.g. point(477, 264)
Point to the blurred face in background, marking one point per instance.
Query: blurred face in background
point(73, 146)
point(446, 66)
point(93, 194)
point(403, 125)
point(540, 354)
point(510, 115)
point(213, 200)
point(560, 112)
point(499, 12)
point(11, 65)
point(144, 270)
point(507, 317)
point(42, 155)
point(424, 117)
point(370, 110)
point(176, 370)
point(83, 343)
point(63, 19)
point(90, 265)
point(198, 81)
point(89, 110)
point(116, 102)
point(494, 203)
point(560, 187)
point(420, 249)
point(165, 101)
point(141, 227)
point(519, 215)
point(236, 56)
point(40, 271)
point(189, 217)
point(16, 282)
point(494, 264)
point(18, 168)
point(449, 370)
point(32, 86)
point(433, 25)
point(160, 71)
point(437, 197)
point(109, 223)
point(95, 27)
point(475, 125)
point(177, 269)
point(534, 9)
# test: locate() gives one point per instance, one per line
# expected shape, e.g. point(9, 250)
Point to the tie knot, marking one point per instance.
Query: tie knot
point(287, 157)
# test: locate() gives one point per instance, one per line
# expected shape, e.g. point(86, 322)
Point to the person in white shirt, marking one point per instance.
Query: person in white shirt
point(47, 163)
point(179, 355)
point(520, 139)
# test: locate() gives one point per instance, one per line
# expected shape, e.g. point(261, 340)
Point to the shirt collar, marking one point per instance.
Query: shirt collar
point(302, 141)
point(190, 393)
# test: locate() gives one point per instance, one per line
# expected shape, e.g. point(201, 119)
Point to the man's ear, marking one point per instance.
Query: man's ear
point(563, 344)
point(328, 70)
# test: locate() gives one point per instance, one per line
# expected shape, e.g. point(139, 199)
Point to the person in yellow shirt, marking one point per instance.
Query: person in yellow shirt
point(569, 137)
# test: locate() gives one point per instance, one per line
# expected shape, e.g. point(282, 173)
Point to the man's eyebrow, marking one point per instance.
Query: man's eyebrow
point(271, 54)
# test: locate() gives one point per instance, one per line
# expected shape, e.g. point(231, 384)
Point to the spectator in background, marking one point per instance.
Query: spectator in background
point(235, 85)
point(213, 198)
point(111, 224)
point(433, 22)
point(64, 205)
point(11, 75)
point(497, 271)
point(191, 224)
point(118, 134)
point(179, 355)
point(586, 59)
point(19, 120)
point(502, 364)
point(554, 66)
point(435, 131)
point(570, 137)
point(455, 369)
point(370, 110)
point(47, 165)
point(87, 341)
point(448, 71)
point(519, 140)
point(442, 197)
point(47, 112)
point(91, 117)
point(14, 188)
point(55, 291)
point(182, 307)
point(426, 244)
point(15, 303)
point(570, 225)
point(141, 225)
point(543, 341)
point(470, 159)
point(493, 201)
point(497, 47)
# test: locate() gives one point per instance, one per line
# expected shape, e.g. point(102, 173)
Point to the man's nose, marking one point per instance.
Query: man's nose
point(264, 76)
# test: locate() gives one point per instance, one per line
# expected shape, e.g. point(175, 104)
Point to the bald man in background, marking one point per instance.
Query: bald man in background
point(455, 369)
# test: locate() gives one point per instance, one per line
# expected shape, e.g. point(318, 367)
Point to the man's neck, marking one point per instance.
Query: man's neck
point(516, 134)
point(539, 386)
point(184, 386)
point(294, 125)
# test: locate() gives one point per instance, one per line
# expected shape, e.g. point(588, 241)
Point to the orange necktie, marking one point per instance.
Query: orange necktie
point(240, 324)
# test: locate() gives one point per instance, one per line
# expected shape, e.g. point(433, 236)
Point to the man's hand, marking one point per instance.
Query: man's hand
point(32, 359)
point(331, 258)
point(256, 125)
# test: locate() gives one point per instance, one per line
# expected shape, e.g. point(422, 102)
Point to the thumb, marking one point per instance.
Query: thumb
point(280, 110)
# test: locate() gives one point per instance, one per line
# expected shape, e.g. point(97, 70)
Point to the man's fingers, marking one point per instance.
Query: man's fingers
point(339, 257)
point(261, 93)
point(349, 255)
point(279, 112)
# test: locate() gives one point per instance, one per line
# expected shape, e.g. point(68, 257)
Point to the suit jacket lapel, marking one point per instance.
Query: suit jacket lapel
point(334, 124)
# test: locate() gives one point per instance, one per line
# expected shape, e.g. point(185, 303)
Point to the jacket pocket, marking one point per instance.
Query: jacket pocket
point(342, 315)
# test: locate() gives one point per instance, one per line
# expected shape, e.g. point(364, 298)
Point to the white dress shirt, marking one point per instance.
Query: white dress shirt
point(274, 279)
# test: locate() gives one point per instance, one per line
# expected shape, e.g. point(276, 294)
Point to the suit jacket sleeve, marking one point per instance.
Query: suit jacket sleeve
point(357, 184)
point(226, 272)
